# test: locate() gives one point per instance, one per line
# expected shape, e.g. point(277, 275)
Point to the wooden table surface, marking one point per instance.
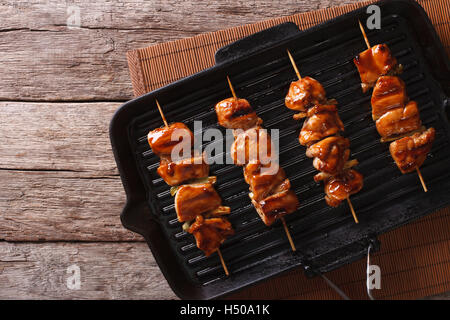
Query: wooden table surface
point(60, 192)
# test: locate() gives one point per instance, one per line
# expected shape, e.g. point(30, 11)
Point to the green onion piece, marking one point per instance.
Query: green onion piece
point(173, 191)
point(186, 226)
point(211, 179)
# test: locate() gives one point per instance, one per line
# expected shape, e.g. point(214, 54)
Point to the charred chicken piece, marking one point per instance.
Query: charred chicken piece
point(236, 113)
point(251, 145)
point(373, 63)
point(263, 179)
point(323, 121)
point(399, 121)
point(276, 206)
point(192, 200)
point(342, 185)
point(177, 172)
point(330, 154)
point(164, 139)
point(304, 93)
point(210, 233)
point(322, 176)
point(389, 93)
point(410, 152)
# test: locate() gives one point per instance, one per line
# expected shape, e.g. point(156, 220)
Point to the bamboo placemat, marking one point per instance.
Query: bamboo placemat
point(414, 259)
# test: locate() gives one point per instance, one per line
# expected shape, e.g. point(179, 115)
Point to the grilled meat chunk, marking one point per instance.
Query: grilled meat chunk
point(399, 121)
point(210, 233)
point(330, 154)
point(251, 145)
point(177, 172)
point(341, 186)
point(269, 188)
point(304, 93)
point(236, 114)
point(323, 121)
point(276, 206)
point(373, 63)
point(410, 152)
point(192, 200)
point(389, 93)
point(164, 139)
point(264, 179)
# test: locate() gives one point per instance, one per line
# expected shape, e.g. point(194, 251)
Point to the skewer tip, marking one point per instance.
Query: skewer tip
point(352, 210)
point(161, 113)
point(294, 65)
point(224, 266)
point(364, 34)
point(288, 234)
point(231, 88)
point(422, 181)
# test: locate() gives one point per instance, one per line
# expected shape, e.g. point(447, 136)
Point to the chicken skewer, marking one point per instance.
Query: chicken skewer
point(396, 119)
point(321, 132)
point(269, 188)
point(194, 201)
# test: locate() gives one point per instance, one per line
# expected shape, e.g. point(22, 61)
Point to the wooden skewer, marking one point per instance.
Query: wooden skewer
point(294, 65)
point(353, 210)
point(162, 114)
point(288, 234)
point(368, 46)
point(304, 114)
point(282, 218)
point(224, 266)
point(231, 88)
point(364, 35)
point(421, 180)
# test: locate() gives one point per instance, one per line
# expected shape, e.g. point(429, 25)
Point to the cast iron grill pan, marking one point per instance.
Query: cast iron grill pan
point(326, 238)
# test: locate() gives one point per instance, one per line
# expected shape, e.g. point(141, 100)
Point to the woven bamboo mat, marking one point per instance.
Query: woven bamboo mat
point(414, 259)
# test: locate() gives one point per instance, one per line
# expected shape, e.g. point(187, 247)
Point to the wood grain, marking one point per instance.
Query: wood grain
point(61, 205)
point(60, 181)
point(44, 60)
point(107, 271)
point(57, 136)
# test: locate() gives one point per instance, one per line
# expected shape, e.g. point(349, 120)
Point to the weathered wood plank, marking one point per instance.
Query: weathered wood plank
point(44, 60)
point(117, 271)
point(107, 271)
point(61, 205)
point(57, 136)
point(59, 178)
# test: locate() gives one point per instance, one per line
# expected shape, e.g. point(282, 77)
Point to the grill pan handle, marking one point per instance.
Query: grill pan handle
point(256, 42)
point(345, 255)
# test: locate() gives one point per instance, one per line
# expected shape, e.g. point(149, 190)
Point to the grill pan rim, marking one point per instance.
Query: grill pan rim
point(135, 191)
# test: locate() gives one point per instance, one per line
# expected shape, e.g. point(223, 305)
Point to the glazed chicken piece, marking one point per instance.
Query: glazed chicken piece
point(276, 206)
point(177, 172)
point(410, 152)
point(236, 114)
point(341, 186)
point(210, 233)
point(251, 145)
point(264, 179)
point(323, 121)
point(389, 93)
point(164, 139)
point(330, 154)
point(192, 200)
point(399, 121)
point(373, 63)
point(322, 176)
point(305, 93)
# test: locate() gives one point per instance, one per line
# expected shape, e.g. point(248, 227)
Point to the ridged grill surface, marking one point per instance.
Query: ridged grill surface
point(265, 86)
